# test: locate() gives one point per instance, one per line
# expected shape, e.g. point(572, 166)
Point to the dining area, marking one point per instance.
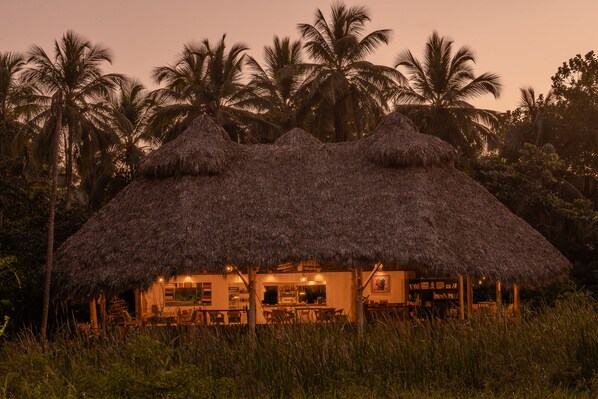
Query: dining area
point(303, 314)
point(196, 317)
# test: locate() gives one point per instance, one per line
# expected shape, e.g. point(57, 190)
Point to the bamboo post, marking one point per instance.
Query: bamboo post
point(516, 308)
point(251, 316)
point(461, 300)
point(93, 314)
point(138, 308)
point(469, 297)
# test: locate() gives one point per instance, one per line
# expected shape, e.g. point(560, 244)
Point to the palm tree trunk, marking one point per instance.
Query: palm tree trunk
point(69, 169)
point(340, 133)
point(57, 106)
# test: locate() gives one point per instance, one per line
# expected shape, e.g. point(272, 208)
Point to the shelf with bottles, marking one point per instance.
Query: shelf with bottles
point(436, 297)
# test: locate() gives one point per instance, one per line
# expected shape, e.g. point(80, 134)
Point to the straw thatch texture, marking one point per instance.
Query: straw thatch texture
point(297, 137)
point(286, 202)
point(395, 142)
point(202, 149)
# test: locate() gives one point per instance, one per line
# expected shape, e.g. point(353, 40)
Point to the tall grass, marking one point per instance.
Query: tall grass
point(550, 354)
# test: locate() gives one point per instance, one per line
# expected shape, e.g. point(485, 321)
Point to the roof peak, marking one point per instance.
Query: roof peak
point(396, 143)
point(204, 148)
point(297, 137)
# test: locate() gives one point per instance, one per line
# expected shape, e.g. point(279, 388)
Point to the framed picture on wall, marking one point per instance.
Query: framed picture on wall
point(380, 283)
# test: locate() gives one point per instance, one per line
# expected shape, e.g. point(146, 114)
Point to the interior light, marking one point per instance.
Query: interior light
point(161, 280)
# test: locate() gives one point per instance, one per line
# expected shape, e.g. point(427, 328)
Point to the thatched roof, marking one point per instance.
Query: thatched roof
point(204, 202)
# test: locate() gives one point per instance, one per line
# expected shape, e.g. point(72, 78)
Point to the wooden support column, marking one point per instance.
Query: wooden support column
point(516, 308)
point(469, 297)
point(360, 318)
point(461, 299)
point(498, 296)
point(93, 314)
point(138, 308)
point(354, 289)
point(251, 316)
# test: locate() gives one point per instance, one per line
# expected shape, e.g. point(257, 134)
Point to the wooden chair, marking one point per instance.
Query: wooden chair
point(216, 318)
point(324, 315)
point(281, 316)
point(192, 320)
point(268, 316)
point(234, 317)
point(339, 316)
point(304, 315)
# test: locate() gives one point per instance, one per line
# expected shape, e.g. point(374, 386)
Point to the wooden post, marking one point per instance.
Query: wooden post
point(498, 296)
point(469, 297)
point(359, 301)
point(461, 300)
point(251, 316)
point(93, 314)
point(138, 308)
point(516, 308)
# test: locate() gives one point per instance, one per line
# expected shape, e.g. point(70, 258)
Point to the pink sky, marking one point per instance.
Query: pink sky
point(523, 41)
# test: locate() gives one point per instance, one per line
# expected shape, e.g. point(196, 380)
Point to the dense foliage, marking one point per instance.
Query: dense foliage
point(23, 225)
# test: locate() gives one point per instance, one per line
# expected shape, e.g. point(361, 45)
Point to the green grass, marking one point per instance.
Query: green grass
point(550, 354)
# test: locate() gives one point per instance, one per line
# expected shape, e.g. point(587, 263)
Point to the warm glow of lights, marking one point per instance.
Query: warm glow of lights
point(228, 268)
point(188, 278)
point(161, 280)
point(303, 279)
point(318, 277)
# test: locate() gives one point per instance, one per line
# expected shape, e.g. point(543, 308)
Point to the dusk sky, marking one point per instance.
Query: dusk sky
point(523, 41)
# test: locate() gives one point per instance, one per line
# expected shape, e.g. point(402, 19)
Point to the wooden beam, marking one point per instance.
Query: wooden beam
point(251, 316)
point(461, 299)
point(93, 314)
point(516, 308)
point(469, 297)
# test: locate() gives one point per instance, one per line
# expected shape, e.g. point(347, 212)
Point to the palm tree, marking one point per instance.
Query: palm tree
point(535, 108)
point(347, 93)
point(205, 79)
point(75, 69)
point(439, 89)
point(275, 87)
point(16, 105)
point(55, 120)
point(531, 122)
point(132, 109)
